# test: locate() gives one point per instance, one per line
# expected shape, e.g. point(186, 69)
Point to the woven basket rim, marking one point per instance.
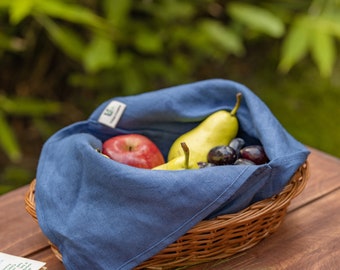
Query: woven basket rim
point(269, 212)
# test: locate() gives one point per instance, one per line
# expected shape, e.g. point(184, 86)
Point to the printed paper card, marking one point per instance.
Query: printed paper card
point(11, 262)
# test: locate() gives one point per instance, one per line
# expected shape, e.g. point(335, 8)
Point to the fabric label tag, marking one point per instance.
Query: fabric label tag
point(112, 113)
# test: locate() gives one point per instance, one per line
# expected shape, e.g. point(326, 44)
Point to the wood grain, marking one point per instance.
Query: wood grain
point(309, 237)
point(18, 227)
point(306, 240)
point(324, 178)
point(19, 234)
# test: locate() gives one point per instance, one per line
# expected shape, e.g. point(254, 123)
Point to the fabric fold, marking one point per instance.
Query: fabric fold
point(105, 215)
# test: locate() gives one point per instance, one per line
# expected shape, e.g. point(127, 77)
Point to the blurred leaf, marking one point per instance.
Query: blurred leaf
point(5, 188)
point(133, 81)
point(99, 54)
point(28, 106)
point(70, 12)
point(45, 127)
point(5, 3)
point(296, 44)
point(4, 41)
point(257, 18)
point(172, 11)
point(147, 41)
point(223, 36)
point(117, 10)
point(16, 175)
point(19, 9)
point(330, 24)
point(11, 43)
point(181, 65)
point(65, 38)
point(323, 50)
point(7, 140)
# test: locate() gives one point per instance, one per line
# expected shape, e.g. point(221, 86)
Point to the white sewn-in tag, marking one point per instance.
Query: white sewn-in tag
point(112, 114)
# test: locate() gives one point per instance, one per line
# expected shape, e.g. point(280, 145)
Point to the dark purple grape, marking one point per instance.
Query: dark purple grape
point(237, 144)
point(222, 155)
point(243, 161)
point(254, 153)
point(203, 164)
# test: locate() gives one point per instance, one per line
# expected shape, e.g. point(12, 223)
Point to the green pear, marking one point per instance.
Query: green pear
point(181, 162)
point(219, 128)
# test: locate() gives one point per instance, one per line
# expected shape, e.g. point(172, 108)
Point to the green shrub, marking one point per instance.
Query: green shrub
point(75, 54)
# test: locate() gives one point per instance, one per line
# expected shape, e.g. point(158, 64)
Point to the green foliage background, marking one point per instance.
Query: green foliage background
point(61, 58)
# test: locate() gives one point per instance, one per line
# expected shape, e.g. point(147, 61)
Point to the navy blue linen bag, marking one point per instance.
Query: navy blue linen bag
point(105, 215)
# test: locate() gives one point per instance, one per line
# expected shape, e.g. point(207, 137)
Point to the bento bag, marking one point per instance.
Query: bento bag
point(102, 214)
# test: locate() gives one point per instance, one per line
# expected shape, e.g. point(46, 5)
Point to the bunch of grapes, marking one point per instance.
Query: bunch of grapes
point(236, 153)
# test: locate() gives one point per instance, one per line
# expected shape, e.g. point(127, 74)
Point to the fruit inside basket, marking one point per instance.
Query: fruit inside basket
point(218, 238)
point(98, 212)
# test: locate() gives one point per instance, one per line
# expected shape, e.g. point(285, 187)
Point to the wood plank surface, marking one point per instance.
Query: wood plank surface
point(309, 237)
point(20, 235)
point(324, 178)
point(47, 256)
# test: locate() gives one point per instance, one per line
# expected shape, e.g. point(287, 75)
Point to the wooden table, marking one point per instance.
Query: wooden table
point(309, 237)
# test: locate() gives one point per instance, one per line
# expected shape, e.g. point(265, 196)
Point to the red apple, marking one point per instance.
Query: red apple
point(134, 150)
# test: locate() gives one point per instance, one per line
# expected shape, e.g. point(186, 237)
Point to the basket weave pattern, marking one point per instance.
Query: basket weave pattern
point(221, 237)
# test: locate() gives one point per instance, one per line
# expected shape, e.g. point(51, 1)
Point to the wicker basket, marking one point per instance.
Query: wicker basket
point(221, 237)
